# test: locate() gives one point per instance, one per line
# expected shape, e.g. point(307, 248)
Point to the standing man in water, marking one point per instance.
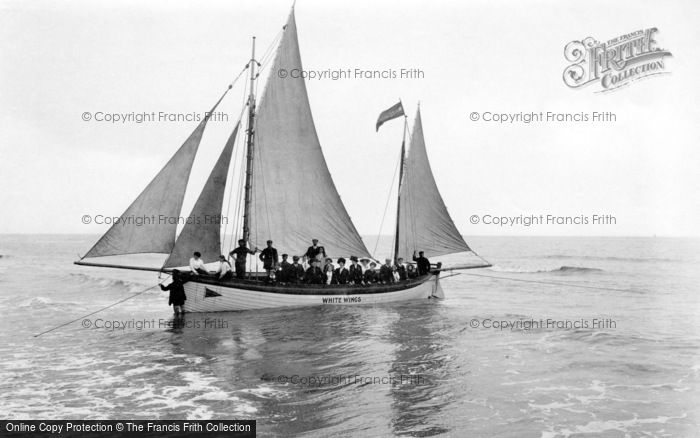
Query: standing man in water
point(422, 263)
point(177, 293)
point(240, 255)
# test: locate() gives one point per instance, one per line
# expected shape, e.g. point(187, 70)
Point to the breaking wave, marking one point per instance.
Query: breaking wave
point(611, 258)
point(108, 283)
point(559, 270)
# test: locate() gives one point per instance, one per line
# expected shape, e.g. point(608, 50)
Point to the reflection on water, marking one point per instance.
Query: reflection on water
point(423, 368)
point(330, 368)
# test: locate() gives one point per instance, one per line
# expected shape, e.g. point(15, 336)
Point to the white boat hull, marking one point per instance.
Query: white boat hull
point(213, 297)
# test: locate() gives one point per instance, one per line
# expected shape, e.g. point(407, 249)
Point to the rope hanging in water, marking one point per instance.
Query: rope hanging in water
point(97, 311)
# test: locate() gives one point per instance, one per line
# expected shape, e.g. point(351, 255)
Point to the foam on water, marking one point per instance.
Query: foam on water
point(556, 270)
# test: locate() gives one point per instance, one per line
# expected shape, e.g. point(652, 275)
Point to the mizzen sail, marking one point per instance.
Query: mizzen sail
point(424, 223)
point(161, 201)
point(202, 231)
point(294, 198)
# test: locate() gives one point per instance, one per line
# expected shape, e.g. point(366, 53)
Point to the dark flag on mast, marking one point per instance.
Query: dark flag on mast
point(392, 113)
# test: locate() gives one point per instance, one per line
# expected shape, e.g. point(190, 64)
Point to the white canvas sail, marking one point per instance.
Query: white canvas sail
point(424, 223)
point(162, 198)
point(202, 232)
point(294, 199)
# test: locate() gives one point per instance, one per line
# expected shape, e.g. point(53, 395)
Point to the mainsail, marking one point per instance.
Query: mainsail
point(161, 199)
point(294, 198)
point(202, 231)
point(424, 223)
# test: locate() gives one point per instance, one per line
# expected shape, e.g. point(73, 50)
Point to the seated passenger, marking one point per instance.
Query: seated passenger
point(341, 274)
point(197, 264)
point(296, 271)
point(365, 264)
point(328, 269)
point(401, 269)
point(354, 272)
point(411, 271)
point(370, 275)
point(283, 270)
point(386, 272)
point(224, 272)
point(314, 275)
point(305, 263)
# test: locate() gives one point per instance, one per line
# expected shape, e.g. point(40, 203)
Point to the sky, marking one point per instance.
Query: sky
point(60, 60)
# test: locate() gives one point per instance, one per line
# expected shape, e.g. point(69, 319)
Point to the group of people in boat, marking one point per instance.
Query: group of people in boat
point(313, 267)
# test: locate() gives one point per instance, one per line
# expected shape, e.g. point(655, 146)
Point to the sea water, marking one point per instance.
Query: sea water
point(527, 354)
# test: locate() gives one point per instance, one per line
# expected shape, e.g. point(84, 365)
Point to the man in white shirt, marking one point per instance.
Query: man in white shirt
point(197, 264)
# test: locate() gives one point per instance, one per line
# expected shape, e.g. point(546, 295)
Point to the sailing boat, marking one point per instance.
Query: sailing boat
point(289, 197)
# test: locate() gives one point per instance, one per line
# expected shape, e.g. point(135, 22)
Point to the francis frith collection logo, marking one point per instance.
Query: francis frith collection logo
point(614, 63)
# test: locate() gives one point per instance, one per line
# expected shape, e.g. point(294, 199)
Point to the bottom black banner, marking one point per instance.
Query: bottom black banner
point(85, 428)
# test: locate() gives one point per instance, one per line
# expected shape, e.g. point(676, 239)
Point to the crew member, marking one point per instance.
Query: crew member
point(315, 251)
point(422, 263)
point(241, 254)
point(269, 258)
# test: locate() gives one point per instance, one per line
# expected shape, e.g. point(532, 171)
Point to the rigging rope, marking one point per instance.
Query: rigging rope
point(482, 259)
point(97, 311)
point(386, 207)
point(264, 58)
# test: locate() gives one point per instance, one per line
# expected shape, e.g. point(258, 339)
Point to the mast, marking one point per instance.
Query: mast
point(249, 146)
point(398, 202)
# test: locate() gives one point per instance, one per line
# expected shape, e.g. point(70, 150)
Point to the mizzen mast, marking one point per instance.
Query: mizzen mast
point(398, 201)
